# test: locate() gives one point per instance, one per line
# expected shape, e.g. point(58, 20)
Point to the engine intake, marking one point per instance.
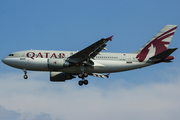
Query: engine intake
point(60, 76)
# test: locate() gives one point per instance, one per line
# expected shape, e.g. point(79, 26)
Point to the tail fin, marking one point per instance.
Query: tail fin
point(157, 44)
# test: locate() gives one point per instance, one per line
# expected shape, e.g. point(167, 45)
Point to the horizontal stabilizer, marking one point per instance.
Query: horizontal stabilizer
point(163, 55)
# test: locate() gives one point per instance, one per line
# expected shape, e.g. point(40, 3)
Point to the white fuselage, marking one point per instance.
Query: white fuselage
point(37, 60)
point(65, 65)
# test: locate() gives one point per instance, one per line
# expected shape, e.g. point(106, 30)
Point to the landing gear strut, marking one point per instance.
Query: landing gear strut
point(82, 75)
point(25, 72)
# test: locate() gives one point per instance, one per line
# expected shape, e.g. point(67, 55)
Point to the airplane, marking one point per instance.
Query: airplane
point(66, 65)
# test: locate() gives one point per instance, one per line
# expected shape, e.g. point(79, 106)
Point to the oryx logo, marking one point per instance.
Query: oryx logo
point(156, 46)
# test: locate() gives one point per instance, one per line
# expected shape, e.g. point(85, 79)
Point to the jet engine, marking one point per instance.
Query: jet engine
point(60, 76)
point(56, 64)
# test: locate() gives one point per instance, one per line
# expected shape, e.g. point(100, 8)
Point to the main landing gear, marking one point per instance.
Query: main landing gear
point(83, 81)
point(25, 76)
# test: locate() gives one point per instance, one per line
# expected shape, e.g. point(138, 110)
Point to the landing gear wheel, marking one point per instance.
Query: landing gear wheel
point(85, 82)
point(80, 83)
point(25, 76)
point(80, 75)
point(85, 74)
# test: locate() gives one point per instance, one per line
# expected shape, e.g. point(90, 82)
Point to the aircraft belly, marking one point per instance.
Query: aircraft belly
point(117, 66)
point(104, 66)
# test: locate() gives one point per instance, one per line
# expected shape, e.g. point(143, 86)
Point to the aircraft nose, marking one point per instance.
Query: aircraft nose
point(3, 60)
point(13, 62)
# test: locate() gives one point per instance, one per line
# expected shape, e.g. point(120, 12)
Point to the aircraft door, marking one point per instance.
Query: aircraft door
point(23, 60)
point(128, 59)
point(22, 54)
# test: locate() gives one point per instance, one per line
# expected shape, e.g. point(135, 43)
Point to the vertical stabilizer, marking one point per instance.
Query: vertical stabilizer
point(157, 44)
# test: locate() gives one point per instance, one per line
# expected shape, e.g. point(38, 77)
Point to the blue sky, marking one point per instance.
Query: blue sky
point(147, 93)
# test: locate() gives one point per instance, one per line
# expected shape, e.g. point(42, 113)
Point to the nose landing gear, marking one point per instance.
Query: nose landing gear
point(25, 76)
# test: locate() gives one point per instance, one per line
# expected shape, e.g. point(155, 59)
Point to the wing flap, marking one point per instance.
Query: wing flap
point(100, 75)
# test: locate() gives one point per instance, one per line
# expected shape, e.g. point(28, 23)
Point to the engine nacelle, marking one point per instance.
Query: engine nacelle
point(56, 64)
point(60, 76)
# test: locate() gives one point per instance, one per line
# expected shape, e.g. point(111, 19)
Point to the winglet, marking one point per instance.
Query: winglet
point(110, 38)
point(107, 75)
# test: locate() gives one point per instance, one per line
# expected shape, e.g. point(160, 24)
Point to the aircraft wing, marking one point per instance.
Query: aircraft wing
point(90, 51)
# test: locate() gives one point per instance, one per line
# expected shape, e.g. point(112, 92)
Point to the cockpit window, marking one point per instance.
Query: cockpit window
point(11, 54)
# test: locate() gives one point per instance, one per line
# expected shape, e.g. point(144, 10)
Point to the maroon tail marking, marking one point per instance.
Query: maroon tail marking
point(157, 43)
